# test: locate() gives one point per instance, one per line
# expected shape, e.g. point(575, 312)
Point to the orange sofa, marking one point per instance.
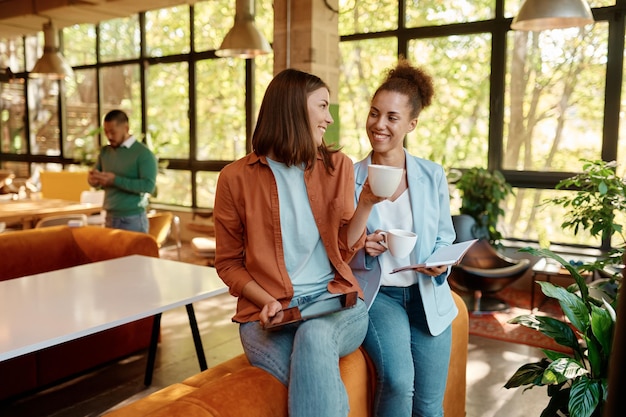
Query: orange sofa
point(35, 251)
point(235, 388)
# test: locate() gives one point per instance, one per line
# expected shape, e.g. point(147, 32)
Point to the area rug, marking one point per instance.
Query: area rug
point(495, 326)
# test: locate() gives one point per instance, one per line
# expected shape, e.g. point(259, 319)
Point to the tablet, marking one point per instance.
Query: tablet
point(313, 309)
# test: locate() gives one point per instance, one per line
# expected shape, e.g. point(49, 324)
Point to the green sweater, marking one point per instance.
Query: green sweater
point(135, 170)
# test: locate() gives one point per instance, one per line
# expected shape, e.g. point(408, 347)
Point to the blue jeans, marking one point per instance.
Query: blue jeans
point(304, 357)
point(138, 223)
point(397, 338)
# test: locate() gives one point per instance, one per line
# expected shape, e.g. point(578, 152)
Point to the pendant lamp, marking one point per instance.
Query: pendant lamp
point(244, 40)
point(536, 15)
point(51, 64)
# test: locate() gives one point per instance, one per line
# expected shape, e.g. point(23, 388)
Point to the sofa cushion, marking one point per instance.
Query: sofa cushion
point(235, 385)
point(118, 243)
point(35, 251)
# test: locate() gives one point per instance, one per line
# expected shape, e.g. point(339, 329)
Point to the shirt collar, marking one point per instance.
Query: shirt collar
point(128, 142)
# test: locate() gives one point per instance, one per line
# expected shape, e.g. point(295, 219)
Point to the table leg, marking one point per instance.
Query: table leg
point(196, 337)
point(154, 341)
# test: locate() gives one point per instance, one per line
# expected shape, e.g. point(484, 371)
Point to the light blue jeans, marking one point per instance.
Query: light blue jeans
point(138, 223)
point(411, 364)
point(304, 357)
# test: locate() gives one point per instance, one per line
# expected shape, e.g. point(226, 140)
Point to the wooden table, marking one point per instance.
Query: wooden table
point(43, 310)
point(28, 212)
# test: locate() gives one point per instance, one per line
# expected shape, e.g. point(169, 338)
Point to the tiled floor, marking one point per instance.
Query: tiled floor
point(490, 364)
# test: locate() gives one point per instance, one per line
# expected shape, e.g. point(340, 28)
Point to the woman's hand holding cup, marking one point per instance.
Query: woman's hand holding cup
point(399, 242)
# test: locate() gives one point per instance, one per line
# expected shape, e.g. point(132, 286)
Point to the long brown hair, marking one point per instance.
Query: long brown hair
point(283, 127)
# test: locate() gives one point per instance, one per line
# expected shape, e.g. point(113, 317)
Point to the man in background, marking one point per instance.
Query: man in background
point(126, 169)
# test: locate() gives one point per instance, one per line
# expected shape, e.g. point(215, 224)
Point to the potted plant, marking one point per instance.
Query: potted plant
point(482, 191)
point(577, 383)
point(600, 194)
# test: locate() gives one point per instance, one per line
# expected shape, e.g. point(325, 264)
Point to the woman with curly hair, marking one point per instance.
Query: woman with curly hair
point(409, 334)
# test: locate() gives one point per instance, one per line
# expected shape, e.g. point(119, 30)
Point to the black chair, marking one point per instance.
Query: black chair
point(483, 272)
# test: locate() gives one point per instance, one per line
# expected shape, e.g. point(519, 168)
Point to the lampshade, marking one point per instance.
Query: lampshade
point(536, 15)
point(244, 40)
point(51, 64)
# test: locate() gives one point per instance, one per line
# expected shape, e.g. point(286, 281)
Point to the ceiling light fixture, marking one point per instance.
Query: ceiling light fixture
point(244, 40)
point(537, 15)
point(51, 64)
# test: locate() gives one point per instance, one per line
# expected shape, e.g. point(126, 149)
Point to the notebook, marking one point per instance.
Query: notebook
point(445, 255)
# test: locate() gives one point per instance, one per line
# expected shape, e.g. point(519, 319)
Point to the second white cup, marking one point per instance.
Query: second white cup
point(399, 242)
point(384, 180)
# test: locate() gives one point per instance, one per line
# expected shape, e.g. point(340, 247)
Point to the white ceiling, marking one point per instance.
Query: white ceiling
point(26, 17)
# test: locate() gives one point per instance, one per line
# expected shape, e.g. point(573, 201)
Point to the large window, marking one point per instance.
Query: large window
point(187, 104)
point(530, 104)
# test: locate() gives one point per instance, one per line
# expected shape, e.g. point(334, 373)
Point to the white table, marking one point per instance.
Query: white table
point(43, 310)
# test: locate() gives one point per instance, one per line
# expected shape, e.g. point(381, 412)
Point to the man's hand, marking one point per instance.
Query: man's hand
point(102, 179)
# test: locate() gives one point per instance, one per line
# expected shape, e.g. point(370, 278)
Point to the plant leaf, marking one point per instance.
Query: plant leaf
point(594, 355)
point(572, 305)
point(528, 374)
point(584, 397)
point(562, 370)
point(561, 332)
point(602, 327)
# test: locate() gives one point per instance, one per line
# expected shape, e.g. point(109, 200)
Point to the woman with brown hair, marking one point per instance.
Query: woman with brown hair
point(286, 227)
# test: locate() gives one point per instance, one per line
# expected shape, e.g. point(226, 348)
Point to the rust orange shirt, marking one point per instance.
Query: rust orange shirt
point(248, 234)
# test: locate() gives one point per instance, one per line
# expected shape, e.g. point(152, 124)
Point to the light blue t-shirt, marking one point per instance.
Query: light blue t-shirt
point(305, 255)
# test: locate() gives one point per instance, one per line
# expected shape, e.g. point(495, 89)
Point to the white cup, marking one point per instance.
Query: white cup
point(384, 180)
point(399, 242)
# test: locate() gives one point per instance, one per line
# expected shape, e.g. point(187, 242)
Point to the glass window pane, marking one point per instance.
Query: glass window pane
point(525, 218)
point(82, 118)
point(12, 111)
point(121, 90)
point(212, 20)
point(220, 87)
point(454, 130)
point(263, 73)
point(43, 100)
point(173, 187)
point(206, 184)
point(264, 18)
point(167, 31)
point(120, 39)
point(365, 16)
point(79, 46)
point(168, 110)
point(554, 100)
point(12, 53)
point(362, 69)
point(437, 12)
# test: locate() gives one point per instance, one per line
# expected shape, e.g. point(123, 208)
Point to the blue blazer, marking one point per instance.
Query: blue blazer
point(430, 202)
